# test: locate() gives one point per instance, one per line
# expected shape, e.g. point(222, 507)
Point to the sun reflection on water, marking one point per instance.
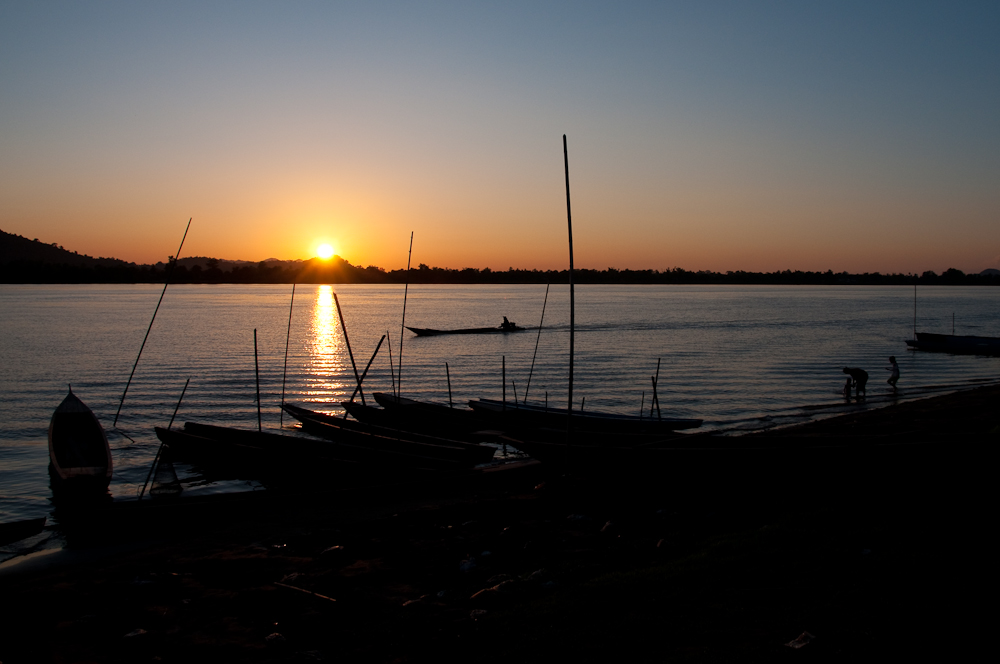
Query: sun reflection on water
point(325, 356)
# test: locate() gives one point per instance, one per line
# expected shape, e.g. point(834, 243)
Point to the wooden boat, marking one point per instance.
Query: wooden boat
point(14, 531)
point(336, 428)
point(272, 452)
point(501, 329)
point(534, 416)
point(761, 463)
point(78, 447)
point(958, 344)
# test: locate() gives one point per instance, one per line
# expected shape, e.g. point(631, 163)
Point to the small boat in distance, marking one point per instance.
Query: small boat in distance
point(958, 344)
point(78, 447)
point(502, 328)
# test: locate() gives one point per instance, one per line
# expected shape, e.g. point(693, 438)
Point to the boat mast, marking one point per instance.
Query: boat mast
point(406, 289)
point(572, 299)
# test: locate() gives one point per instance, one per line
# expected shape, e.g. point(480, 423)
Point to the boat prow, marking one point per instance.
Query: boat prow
point(78, 447)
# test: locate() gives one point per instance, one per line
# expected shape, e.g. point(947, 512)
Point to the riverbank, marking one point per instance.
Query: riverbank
point(523, 565)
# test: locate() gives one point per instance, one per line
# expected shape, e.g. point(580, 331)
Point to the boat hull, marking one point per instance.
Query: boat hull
point(529, 416)
point(429, 332)
point(959, 345)
point(78, 447)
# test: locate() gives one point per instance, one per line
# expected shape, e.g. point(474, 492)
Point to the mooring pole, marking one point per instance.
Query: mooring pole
point(447, 372)
point(365, 372)
point(402, 325)
point(256, 366)
point(537, 339)
point(148, 329)
point(284, 371)
point(347, 342)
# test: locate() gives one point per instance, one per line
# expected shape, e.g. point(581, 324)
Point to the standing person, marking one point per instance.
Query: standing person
point(860, 378)
point(894, 368)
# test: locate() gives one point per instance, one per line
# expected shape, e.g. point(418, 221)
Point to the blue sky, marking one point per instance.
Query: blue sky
point(706, 135)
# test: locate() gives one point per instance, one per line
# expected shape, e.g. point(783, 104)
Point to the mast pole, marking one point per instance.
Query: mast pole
point(572, 298)
point(148, 329)
point(284, 372)
point(402, 325)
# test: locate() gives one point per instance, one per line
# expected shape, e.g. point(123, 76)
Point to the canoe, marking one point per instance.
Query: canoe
point(957, 344)
point(429, 332)
point(533, 416)
point(78, 447)
point(14, 531)
point(337, 429)
point(272, 452)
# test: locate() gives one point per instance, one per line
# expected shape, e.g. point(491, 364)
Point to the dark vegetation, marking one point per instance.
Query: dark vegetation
point(24, 261)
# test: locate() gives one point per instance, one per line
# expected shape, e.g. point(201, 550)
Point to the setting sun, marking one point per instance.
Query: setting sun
point(324, 251)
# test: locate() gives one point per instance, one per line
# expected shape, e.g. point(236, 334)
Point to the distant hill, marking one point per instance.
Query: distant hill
point(15, 248)
point(990, 272)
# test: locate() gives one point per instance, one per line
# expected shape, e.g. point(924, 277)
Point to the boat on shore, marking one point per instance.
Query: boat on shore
point(518, 415)
point(79, 454)
point(957, 344)
point(336, 428)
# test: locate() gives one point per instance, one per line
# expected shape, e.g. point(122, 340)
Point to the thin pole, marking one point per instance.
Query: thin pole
point(447, 371)
point(503, 379)
point(537, 339)
point(284, 371)
point(392, 371)
point(914, 312)
point(256, 366)
point(513, 386)
point(156, 459)
point(343, 326)
point(655, 399)
point(365, 372)
point(178, 406)
point(572, 298)
point(166, 283)
point(642, 404)
point(402, 325)
point(655, 402)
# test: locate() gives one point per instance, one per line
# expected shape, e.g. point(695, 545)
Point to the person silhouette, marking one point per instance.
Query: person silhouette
point(860, 378)
point(847, 389)
point(894, 368)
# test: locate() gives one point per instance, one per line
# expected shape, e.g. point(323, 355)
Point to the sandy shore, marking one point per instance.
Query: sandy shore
point(527, 565)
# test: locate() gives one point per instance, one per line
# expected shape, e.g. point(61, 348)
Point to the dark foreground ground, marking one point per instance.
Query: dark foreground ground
point(532, 566)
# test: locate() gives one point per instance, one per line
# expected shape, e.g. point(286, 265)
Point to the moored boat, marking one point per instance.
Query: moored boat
point(957, 344)
point(78, 447)
point(534, 416)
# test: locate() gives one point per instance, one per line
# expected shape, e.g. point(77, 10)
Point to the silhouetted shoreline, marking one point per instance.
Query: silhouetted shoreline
point(882, 569)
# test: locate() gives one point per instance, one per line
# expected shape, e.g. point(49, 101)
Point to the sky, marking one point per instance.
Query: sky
point(759, 136)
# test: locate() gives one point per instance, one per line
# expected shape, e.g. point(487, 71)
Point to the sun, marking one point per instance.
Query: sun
point(324, 251)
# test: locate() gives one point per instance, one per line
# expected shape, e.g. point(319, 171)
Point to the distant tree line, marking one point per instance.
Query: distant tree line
point(338, 270)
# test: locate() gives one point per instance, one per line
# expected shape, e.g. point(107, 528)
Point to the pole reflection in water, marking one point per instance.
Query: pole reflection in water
point(325, 364)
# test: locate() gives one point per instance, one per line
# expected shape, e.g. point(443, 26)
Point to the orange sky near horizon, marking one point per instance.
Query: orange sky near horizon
point(724, 137)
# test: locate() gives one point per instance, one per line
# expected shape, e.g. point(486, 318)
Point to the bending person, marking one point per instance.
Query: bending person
point(860, 378)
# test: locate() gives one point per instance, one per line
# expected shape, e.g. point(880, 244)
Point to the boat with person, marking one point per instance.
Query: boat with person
point(79, 454)
point(504, 327)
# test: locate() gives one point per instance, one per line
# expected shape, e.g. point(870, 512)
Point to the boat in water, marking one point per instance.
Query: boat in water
point(504, 327)
point(957, 344)
point(78, 447)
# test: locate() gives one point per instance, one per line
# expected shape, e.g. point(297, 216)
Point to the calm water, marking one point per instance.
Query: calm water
point(738, 357)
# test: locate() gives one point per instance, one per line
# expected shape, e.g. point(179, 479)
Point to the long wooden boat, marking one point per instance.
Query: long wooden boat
point(761, 462)
point(430, 332)
point(335, 428)
point(533, 416)
point(78, 447)
point(268, 451)
point(957, 344)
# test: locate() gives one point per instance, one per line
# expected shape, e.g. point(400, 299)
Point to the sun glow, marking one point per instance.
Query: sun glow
point(324, 251)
